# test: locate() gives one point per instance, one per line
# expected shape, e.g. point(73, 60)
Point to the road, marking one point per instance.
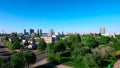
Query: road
point(41, 57)
point(4, 51)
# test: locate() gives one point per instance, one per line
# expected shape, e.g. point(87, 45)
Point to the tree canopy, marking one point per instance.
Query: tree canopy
point(103, 40)
point(90, 41)
point(17, 60)
point(41, 45)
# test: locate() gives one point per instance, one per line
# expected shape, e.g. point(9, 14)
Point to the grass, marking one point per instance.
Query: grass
point(75, 64)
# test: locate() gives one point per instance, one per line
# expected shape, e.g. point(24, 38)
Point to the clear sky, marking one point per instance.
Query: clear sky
point(60, 15)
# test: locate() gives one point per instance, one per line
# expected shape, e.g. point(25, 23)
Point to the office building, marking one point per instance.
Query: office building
point(24, 31)
point(50, 32)
point(102, 30)
point(62, 33)
point(31, 31)
point(40, 32)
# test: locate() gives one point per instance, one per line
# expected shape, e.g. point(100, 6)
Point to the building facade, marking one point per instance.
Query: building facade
point(50, 32)
point(102, 30)
point(40, 32)
point(24, 31)
point(31, 31)
point(47, 39)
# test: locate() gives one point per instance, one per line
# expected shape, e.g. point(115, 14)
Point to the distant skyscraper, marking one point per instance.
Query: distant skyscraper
point(62, 33)
point(31, 31)
point(51, 32)
point(24, 31)
point(40, 32)
point(102, 30)
point(3, 31)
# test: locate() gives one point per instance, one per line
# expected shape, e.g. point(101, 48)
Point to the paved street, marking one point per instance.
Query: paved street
point(41, 60)
point(41, 57)
point(4, 51)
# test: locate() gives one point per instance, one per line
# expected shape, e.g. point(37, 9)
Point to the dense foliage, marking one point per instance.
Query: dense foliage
point(91, 51)
point(21, 59)
point(41, 45)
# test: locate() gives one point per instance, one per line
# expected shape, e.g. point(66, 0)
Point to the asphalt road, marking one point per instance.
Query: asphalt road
point(41, 57)
point(4, 51)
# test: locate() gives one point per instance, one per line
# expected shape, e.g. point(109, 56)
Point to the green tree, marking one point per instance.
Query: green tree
point(77, 38)
point(2, 62)
point(71, 38)
point(104, 51)
point(116, 46)
point(55, 50)
point(26, 43)
point(17, 60)
point(59, 47)
point(113, 40)
point(118, 37)
point(50, 48)
point(90, 41)
point(79, 53)
point(6, 43)
point(29, 57)
point(41, 45)
point(90, 61)
point(103, 40)
point(6, 38)
point(14, 45)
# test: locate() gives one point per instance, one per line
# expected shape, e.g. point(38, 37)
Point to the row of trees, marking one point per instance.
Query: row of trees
point(18, 60)
point(91, 50)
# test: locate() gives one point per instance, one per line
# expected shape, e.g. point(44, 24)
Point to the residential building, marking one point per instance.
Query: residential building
point(102, 30)
point(47, 39)
point(2, 38)
point(14, 34)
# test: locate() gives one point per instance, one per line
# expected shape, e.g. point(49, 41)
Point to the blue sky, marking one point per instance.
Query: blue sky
point(60, 15)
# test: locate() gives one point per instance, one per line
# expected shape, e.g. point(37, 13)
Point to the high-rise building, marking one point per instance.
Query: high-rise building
point(62, 33)
point(3, 31)
point(50, 32)
point(24, 31)
point(102, 30)
point(31, 31)
point(40, 32)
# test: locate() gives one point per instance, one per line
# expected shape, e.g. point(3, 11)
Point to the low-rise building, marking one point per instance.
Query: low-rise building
point(47, 39)
point(1, 39)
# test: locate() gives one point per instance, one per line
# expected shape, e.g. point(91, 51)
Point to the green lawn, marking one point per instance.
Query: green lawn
point(75, 64)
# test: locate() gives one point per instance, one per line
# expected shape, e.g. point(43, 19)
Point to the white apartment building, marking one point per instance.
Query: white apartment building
point(47, 39)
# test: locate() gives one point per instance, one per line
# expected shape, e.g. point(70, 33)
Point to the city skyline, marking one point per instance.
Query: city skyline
point(60, 15)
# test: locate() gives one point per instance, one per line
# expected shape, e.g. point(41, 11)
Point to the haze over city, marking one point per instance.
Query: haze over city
point(60, 15)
